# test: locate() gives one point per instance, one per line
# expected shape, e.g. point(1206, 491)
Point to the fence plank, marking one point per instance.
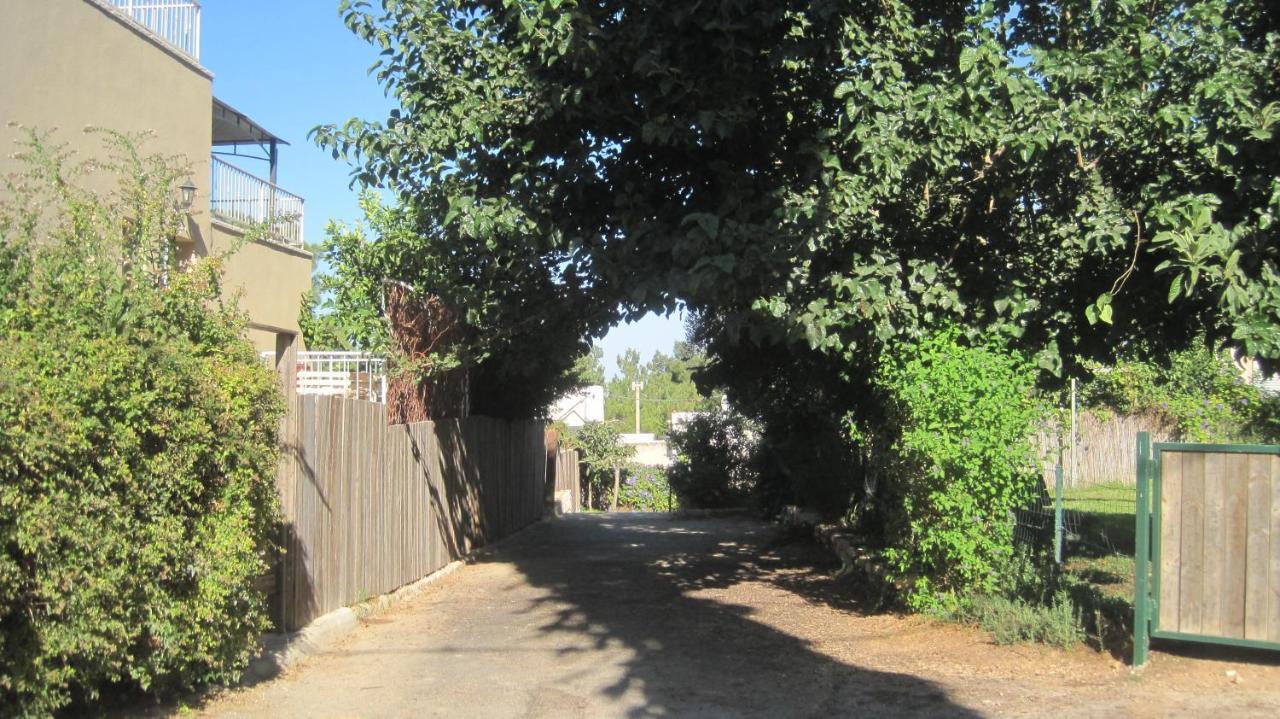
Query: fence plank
point(1214, 544)
point(1170, 538)
point(1273, 621)
point(1234, 535)
point(1257, 551)
point(1190, 601)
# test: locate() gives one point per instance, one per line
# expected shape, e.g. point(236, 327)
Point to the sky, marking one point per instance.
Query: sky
point(291, 65)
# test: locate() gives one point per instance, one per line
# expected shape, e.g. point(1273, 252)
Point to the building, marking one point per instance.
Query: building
point(134, 65)
point(579, 407)
point(650, 451)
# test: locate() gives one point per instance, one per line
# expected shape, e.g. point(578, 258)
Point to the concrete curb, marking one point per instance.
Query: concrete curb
point(712, 513)
point(283, 651)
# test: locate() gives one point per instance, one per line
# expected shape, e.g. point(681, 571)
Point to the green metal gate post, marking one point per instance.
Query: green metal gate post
point(1142, 592)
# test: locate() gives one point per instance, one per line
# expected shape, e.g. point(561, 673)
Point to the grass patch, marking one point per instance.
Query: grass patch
point(1100, 517)
point(1111, 498)
point(1011, 621)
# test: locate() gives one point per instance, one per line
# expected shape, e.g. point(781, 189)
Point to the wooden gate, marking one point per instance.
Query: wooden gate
point(1208, 545)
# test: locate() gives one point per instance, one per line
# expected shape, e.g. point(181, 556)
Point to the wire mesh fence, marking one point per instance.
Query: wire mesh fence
point(1086, 508)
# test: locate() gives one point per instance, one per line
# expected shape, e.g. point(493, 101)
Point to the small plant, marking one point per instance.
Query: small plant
point(1011, 621)
point(605, 456)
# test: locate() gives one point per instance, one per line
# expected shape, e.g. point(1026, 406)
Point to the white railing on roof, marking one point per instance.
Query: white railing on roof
point(244, 199)
point(177, 22)
point(355, 375)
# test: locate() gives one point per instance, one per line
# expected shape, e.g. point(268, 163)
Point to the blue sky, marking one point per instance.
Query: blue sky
point(291, 65)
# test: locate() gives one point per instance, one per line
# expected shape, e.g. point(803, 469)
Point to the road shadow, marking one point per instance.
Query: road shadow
point(637, 581)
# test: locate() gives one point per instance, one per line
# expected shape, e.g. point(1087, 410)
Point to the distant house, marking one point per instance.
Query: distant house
point(579, 407)
point(650, 451)
point(132, 66)
point(1252, 373)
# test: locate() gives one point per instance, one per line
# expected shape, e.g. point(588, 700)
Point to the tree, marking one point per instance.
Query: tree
point(603, 453)
point(344, 308)
point(847, 176)
point(821, 182)
point(588, 369)
point(667, 386)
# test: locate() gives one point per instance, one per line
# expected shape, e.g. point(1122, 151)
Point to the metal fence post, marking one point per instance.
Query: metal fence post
point(1142, 595)
point(1059, 531)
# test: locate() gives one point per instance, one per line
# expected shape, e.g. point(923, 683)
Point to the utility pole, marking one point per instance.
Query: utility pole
point(637, 386)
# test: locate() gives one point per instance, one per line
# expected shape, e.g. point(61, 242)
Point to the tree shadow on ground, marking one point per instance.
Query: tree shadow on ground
point(640, 583)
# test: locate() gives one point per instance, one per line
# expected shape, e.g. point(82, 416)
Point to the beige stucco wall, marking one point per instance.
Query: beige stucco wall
point(267, 279)
point(70, 64)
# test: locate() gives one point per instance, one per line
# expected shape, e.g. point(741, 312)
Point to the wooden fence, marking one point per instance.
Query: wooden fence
point(1105, 454)
point(1208, 529)
point(1219, 544)
point(370, 507)
point(568, 483)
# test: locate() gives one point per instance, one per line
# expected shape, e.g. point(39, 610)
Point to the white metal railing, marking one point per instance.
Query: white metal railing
point(242, 198)
point(356, 375)
point(177, 22)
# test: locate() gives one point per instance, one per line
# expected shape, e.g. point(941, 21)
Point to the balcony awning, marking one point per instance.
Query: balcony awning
point(232, 127)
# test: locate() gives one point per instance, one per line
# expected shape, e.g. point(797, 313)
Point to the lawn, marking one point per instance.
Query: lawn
point(1112, 498)
point(1100, 518)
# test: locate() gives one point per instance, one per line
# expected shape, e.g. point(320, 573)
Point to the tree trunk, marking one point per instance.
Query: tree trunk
point(588, 476)
point(617, 486)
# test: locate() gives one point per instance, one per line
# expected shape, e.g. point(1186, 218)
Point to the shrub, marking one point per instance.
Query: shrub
point(604, 455)
point(138, 459)
point(715, 463)
point(1197, 389)
point(1016, 620)
point(960, 460)
point(646, 490)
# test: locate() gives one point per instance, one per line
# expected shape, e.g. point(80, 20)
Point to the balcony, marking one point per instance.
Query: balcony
point(250, 202)
point(177, 22)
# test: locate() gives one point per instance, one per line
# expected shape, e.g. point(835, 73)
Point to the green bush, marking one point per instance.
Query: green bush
point(646, 490)
point(1197, 389)
point(960, 461)
point(604, 456)
point(137, 463)
point(715, 463)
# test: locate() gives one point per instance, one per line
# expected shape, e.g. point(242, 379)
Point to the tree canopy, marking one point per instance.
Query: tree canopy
point(823, 182)
point(1069, 174)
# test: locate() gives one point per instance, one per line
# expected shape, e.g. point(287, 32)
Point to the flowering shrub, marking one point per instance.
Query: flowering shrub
point(645, 489)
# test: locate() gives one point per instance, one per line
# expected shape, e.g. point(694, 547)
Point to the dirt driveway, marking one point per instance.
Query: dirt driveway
point(646, 616)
